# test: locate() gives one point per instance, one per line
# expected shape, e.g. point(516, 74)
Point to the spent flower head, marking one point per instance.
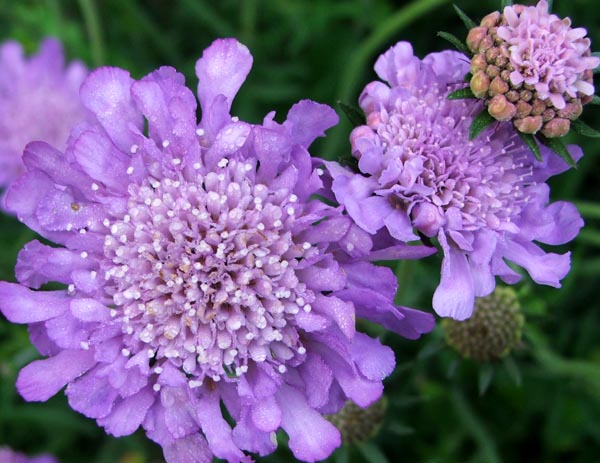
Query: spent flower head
point(39, 100)
point(492, 332)
point(201, 272)
point(484, 200)
point(532, 68)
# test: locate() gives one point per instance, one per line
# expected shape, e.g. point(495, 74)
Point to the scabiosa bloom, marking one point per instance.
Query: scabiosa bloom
point(39, 100)
point(10, 456)
point(531, 67)
point(201, 272)
point(484, 200)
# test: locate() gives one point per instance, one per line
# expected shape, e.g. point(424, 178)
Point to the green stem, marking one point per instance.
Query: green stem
point(588, 209)
point(474, 426)
point(92, 24)
point(363, 54)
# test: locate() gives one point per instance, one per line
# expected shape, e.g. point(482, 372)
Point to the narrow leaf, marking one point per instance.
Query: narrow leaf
point(354, 115)
point(504, 3)
point(486, 373)
point(454, 41)
point(595, 100)
point(512, 369)
point(583, 129)
point(481, 121)
point(468, 77)
point(371, 453)
point(529, 140)
point(469, 23)
point(460, 94)
point(558, 146)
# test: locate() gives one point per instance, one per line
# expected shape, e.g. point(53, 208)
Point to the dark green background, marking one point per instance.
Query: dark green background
point(541, 405)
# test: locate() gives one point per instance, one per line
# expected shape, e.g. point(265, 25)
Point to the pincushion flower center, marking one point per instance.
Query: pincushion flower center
point(202, 273)
point(428, 163)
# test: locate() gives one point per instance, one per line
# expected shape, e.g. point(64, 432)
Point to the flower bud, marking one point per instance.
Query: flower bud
point(475, 37)
point(523, 109)
point(557, 127)
point(478, 63)
point(480, 83)
point(572, 110)
point(358, 425)
point(501, 109)
point(529, 124)
point(490, 20)
point(498, 86)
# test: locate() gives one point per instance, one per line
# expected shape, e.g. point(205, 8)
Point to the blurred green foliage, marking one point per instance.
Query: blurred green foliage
point(542, 404)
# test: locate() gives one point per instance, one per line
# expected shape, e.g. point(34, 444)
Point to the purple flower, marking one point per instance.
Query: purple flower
point(547, 53)
point(9, 456)
point(201, 272)
point(39, 100)
point(484, 200)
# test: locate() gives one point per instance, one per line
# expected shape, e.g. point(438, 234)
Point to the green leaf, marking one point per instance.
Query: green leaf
point(531, 144)
point(512, 369)
point(595, 100)
point(460, 94)
point(454, 41)
point(481, 121)
point(583, 129)
point(504, 3)
point(559, 147)
point(469, 23)
point(550, 2)
point(371, 453)
point(486, 373)
point(354, 115)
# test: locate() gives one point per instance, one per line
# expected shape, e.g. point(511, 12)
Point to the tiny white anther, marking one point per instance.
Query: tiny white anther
point(307, 308)
point(150, 353)
point(84, 345)
point(83, 231)
point(306, 245)
point(71, 288)
point(176, 162)
point(95, 187)
point(156, 387)
point(129, 170)
point(260, 226)
point(199, 132)
point(166, 143)
point(69, 227)
point(197, 166)
point(223, 162)
point(282, 369)
point(235, 119)
point(301, 350)
point(106, 223)
point(293, 198)
point(134, 149)
point(113, 313)
point(125, 352)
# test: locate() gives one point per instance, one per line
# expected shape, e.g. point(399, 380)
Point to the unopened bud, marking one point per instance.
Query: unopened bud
point(475, 37)
point(530, 124)
point(498, 87)
point(572, 110)
point(538, 107)
point(358, 425)
point(490, 20)
point(480, 83)
point(501, 109)
point(557, 127)
point(478, 63)
point(523, 109)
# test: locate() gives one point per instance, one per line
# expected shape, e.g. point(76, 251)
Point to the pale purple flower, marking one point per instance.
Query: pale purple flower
point(201, 271)
point(547, 53)
point(39, 100)
point(484, 200)
point(10, 456)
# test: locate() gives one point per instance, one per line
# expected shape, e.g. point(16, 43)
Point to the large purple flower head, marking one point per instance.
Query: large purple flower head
point(39, 100)
point(531, 67)
point(10, 456)
point(484, 200)
point(200, 271)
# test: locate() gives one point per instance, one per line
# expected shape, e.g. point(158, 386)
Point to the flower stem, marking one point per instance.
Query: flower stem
point(94, 30)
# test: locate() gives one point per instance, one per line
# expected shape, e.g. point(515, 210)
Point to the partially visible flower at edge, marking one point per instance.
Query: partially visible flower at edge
point(200, 271)
point(419, 174)
point(10, 456)
point(39, 100)
point(530, 67)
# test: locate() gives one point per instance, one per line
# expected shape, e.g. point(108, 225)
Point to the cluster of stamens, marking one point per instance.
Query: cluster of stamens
point(201, 273)
point(485, 179)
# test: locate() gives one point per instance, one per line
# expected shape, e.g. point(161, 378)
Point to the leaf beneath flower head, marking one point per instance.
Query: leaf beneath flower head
point(469, 23)
point(558, 146)
point(460, 94)
point(481, 121)
point(354, 115)
point(583, 129)
point(454, 41)
point(512, 369)
point(486, 373)
point(595, 100)
point(597, 68)
point(529, 140)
